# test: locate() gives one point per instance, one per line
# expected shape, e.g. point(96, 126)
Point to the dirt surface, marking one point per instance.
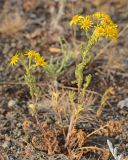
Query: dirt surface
point(39, 25)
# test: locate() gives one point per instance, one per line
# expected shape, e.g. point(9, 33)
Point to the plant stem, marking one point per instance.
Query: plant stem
point(71, 126)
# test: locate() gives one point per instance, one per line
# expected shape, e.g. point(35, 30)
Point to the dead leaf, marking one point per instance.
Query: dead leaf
point(54, 50)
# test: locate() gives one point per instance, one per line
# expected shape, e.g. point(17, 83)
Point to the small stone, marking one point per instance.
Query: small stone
point(13, 44)
point(12, 103)
point(123, 103)
point(19, 125)
point(6, 144)
point(11, 158)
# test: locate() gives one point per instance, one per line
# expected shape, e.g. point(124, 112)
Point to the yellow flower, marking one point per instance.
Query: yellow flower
point(32, 54)
point(111, 31)
point(14, 59)
point(100, 15)
point(102, 24)
point(99, 31)
point(108, 31)
point(40, 62)
point(103, 17)
point(76, 19)
point(86, 23)
point(106, 20)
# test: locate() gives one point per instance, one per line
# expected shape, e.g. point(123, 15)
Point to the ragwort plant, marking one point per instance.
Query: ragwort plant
point(30, 60)
point(96, 26)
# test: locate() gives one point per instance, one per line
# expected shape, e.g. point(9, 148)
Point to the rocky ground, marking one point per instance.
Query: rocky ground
point(39, 24)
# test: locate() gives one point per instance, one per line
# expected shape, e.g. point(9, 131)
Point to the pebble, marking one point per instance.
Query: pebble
point(19, 125)
point(13, 44)
point(11, 158)
point(123, 103)
point(12, 103)
point(6, 144)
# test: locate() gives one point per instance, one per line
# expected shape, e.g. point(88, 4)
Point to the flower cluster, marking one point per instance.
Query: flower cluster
point(31, 55)
point(105, 27)
point(82, 22)
point(102, 25)
point(101, 17)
